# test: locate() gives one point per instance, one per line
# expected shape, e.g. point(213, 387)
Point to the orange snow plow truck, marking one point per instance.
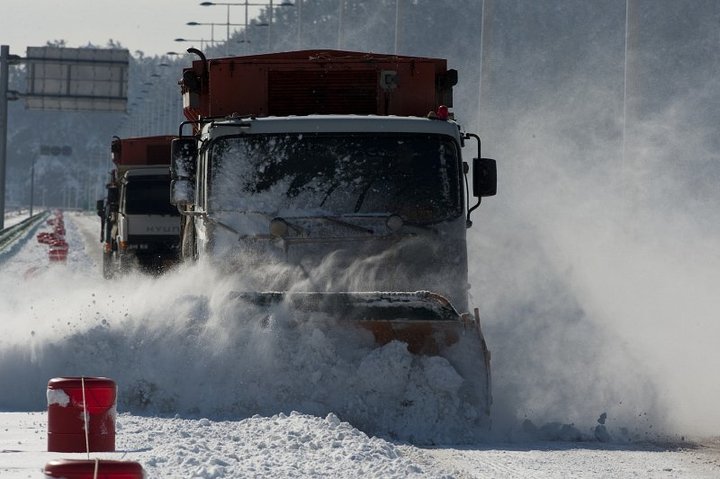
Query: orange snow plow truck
point(334, 182)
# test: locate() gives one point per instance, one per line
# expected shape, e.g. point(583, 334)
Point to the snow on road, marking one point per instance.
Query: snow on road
point(301, 445)
point(15, 217)
point(191, 380)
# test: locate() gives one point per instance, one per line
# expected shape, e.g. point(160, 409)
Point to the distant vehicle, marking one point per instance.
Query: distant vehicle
point(140, 229)
point(341, 173)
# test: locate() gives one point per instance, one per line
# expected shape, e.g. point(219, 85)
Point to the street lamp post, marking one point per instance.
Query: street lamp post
point(202, 41)
point(212, 29)
point(299, 23)
point(227, 43)
point(245, 40)
point(341, 10)
point(247, 4)
point(32, 182)
point(166, 123)
point(32, 185)
point(284, 3)
point(397, 24)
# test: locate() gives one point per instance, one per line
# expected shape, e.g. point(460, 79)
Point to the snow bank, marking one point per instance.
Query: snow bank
point(294, 445)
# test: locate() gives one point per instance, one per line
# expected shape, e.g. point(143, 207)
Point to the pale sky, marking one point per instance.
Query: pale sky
point(147, 25)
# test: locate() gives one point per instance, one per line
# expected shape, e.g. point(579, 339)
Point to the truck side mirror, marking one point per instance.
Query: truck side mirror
point(100, 208)
point(484, 177)
point(182, 192)
point(182, 171)
point(183, 158)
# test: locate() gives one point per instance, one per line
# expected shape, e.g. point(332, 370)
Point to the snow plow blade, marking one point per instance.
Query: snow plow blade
point(426, 321)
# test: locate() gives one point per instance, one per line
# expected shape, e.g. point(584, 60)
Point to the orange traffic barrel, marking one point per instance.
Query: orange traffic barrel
point(57, 254)
point(93, 469)
point(81, 414)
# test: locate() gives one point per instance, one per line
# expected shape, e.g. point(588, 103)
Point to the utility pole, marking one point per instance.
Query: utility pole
point(632, 17)
point(5, 61)
point(32, 185)
point(341, 8)
point(488, 13)
point(4, 69)
point(299, 23)
point(397, 25)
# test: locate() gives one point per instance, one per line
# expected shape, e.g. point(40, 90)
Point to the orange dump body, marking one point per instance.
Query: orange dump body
point(141, 151)
point(316, 82)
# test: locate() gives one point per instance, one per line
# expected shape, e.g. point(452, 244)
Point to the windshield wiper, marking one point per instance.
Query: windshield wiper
point(363, 194)
point(329, 192)
point(361, 198)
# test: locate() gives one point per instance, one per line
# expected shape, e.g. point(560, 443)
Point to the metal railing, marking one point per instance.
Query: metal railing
point(9, 235)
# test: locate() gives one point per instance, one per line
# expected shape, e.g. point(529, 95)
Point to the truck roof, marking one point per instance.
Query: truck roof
point(332, 124)
point(316, 82)
point(141, 151)
point(151, 170)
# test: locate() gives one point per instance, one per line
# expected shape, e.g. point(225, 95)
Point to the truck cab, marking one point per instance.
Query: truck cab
point(383, 195)
point(148, 227)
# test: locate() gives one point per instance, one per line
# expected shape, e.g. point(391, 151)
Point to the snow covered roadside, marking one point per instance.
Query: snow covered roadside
point(28, 257)
point(299, 445)
point(15, 217)
point(580, 460)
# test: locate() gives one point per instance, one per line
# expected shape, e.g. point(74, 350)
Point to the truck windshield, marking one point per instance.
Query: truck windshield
point(149, 196)
point(414, 175)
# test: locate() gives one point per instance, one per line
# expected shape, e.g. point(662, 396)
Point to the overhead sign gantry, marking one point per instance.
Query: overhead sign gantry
point(60, 78)
point(77, 79)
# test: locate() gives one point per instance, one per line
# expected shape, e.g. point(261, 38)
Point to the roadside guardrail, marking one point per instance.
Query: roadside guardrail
point(9, 235)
